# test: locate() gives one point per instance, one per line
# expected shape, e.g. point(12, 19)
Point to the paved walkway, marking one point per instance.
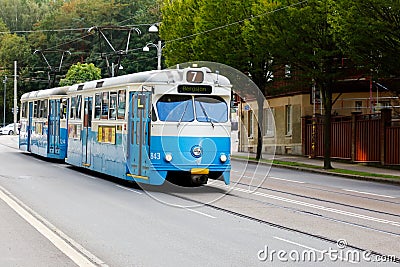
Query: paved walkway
point(335, 164)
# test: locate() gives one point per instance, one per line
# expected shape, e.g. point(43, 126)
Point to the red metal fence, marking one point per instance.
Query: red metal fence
point(367, 139)
point(392, 145)
point(360, 138)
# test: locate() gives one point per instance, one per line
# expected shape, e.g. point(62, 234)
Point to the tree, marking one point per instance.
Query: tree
point(80, 73)
point(176, 29)
point(300, 34)
point(199, 30)
point(13, 47)
point(368, 31)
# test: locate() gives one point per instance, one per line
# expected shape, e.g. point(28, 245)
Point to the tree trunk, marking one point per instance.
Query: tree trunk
point(260, 104)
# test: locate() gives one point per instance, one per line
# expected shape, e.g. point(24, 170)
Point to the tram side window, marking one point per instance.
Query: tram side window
point(24, 110)
point(72, 113)
point(112, 112)
point(39, 107)
point(41, 104)
point(97, 106)
point(104, 105)
point(121, 104)
point(78, 106)
point(35, 109)
point(153, 114)
point(43, 109)
point(63, 108)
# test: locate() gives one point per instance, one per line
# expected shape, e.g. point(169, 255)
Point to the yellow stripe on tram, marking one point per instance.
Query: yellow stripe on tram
point(199, 171)
point(137, 176)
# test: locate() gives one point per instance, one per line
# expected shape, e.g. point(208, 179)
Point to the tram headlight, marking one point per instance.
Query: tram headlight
point(168, 157)
point(223, 158)
point(196, 151)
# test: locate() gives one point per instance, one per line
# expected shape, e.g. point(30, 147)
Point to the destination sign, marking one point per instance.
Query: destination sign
point(195, 89)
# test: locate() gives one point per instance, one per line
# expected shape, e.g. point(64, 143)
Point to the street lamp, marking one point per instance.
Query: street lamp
point(159, 48)
point(154, 28)
point(4, 101)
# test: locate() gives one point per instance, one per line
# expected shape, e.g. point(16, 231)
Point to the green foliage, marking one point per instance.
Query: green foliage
point(80, 73)
point(368, 31)
point(13, 47)
point(178, 18)
point(21, 15)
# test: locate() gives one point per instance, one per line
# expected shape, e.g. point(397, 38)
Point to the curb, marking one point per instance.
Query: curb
point(320, 171)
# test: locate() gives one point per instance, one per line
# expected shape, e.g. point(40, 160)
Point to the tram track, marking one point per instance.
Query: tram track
point(304, 185)
point(326, 201)
point(314, 214)
point(370, 217)
point(281, 226)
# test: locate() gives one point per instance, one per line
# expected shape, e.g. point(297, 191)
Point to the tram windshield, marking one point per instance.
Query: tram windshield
point(179, 108)
point(175, 108)
point(210, 109)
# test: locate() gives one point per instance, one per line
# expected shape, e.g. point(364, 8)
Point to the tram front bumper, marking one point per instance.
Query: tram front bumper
point(199, 171)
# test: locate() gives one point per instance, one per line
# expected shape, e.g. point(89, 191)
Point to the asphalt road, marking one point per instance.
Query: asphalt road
point(67, 217)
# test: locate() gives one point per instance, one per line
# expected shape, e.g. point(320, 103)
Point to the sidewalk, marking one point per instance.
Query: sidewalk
point(316, 165)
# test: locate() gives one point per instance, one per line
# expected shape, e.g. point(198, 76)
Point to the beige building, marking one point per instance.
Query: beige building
point(282, 117)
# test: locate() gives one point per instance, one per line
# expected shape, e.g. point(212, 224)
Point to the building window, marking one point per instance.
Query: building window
point(385, 104)
point(268, 125)
point(288, 73)
point(250, 123)
point(358, 105)
point(288, 119)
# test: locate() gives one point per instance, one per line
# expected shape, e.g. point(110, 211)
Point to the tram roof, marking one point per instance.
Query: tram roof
point(167, 76)
point(46, 93)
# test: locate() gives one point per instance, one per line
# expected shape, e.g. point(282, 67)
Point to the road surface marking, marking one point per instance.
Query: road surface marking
point(89, 176)
point(131, 190)
point(270, 177)
point(199, 212)
point(65, 244)
point(286, 180)
point(318, 207)
point(367, 193)
point(310, 248)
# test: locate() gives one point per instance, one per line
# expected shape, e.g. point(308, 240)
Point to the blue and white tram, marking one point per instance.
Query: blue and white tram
point(44, 123)
point(147, 126)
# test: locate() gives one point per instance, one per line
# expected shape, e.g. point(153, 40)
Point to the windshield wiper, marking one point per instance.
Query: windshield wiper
point(183, 114)
point(205, 113)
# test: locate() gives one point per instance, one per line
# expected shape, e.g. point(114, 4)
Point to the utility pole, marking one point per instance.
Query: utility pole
point(4, 100)
point(15, 98)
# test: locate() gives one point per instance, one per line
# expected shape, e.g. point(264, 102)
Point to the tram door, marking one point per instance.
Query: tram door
point(139, 134)
point(29, 126)
point(87, 124)
point(54, 127)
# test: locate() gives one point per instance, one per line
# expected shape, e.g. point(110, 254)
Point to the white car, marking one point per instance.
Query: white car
point(9, 129)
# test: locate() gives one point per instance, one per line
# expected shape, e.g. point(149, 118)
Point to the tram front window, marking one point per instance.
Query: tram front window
point(211, 109)
point(176, 108)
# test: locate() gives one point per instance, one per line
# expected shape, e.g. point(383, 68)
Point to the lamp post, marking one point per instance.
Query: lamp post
point(4, 101)
point(154, 29)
